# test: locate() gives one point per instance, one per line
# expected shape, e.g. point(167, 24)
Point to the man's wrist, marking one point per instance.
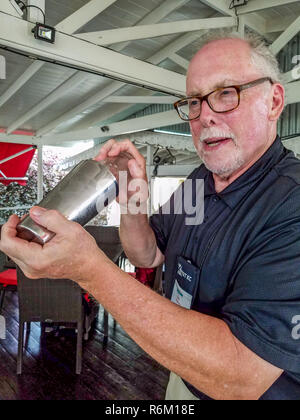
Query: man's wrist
point(91, 269)
point(95, 279)
point(134, 208)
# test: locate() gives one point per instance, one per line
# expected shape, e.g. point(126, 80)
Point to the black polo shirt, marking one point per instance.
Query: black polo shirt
point(248, 253)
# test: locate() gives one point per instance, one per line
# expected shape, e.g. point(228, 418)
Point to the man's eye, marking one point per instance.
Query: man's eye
point(194, 102)
point(226, 92)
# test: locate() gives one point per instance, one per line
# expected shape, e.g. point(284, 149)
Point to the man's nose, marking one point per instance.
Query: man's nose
point(207, 117)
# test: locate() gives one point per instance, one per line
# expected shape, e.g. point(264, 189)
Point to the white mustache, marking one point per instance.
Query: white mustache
point(212, 132)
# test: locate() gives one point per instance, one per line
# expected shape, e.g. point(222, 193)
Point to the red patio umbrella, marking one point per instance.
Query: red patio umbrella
point(14, 162)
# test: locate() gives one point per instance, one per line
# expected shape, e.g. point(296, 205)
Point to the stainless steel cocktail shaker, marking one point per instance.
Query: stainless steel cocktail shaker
point(80, 196)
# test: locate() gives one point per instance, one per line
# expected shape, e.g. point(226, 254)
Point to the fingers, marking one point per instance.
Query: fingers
point(128, 147)
point(50, 219)
point(112, 148)
point(9, 228)
point(56, 258)
point(13, 246)
point(105, 149)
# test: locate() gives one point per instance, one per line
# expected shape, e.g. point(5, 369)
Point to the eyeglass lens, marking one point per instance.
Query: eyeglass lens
point(222, 100)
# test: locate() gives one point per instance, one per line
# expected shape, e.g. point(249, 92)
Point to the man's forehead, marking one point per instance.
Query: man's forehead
point(224, 47)
point(219, 63)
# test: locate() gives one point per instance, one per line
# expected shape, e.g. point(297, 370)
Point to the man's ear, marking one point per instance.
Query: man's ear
point(277, 101)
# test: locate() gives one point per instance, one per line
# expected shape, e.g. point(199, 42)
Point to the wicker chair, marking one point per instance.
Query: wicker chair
point(8, 277)
point(61, 301)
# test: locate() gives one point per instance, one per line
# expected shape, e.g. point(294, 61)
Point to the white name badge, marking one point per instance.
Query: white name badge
point(185, 283)
point(181, 297)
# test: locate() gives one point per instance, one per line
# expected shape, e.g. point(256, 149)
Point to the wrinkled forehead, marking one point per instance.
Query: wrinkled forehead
point(220, 63)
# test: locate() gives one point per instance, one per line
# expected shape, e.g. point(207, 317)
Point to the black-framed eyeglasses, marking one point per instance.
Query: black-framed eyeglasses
point(224, 99)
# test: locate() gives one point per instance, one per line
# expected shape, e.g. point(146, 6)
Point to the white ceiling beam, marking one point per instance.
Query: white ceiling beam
point(91, 153)
point(183, 154)
point(285, 37)
point(12, 138)
point(177, 59)
point(181, 145)
point(102, 115)
point(279, 24)
point(254, 21)
point(288, 77)
point(175, 170)
point(241, 27)
point(141, 99)
point(157, 58)
point(21, 81)
point(10, 8)
point(293, 93)
point(33, 13)
point(160, 12)
point(181, 158)
point(156, 15)
point(188, 160)
point(114, 36)
point(292, 76)
point(221, 6)
point(15, 33)
point(83, 15)
point(124, 127)
point(100, 95)
point(293, 144)
point(178, 142)
point(96, 117)
point(71, 83)
point(258, 5)
point(257, 23)
point(175, 46)
point(68, 25)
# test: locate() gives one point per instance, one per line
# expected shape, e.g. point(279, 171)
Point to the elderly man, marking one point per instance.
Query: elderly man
point(230, 332)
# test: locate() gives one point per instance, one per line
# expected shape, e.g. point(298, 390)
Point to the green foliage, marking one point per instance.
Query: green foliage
point(15, 195)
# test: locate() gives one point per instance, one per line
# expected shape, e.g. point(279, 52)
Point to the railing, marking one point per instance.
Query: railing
point(4, 216)
point(16, 208)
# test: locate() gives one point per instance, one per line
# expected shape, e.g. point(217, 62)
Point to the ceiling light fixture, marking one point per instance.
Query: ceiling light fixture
point(41, 31)
point(44, 32)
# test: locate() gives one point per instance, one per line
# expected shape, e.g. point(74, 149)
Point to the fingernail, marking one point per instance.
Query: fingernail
point(37, 211)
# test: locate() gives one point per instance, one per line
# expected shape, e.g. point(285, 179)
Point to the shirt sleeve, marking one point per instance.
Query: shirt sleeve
point(160, 223)
point(262, 308)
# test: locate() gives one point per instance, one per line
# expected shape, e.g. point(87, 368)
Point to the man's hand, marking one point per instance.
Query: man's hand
point(137, 237)
point(67, 255)
point(136, 167)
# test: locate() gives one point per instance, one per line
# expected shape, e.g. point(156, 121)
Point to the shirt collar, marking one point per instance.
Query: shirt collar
point(237, 189)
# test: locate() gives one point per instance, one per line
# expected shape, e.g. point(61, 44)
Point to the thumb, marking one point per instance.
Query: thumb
point(50, 219)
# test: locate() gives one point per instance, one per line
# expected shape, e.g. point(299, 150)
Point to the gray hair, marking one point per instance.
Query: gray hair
point(261, 55)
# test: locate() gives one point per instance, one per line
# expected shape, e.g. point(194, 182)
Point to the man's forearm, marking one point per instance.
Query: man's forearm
point(139, 241)
point(199, 348)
